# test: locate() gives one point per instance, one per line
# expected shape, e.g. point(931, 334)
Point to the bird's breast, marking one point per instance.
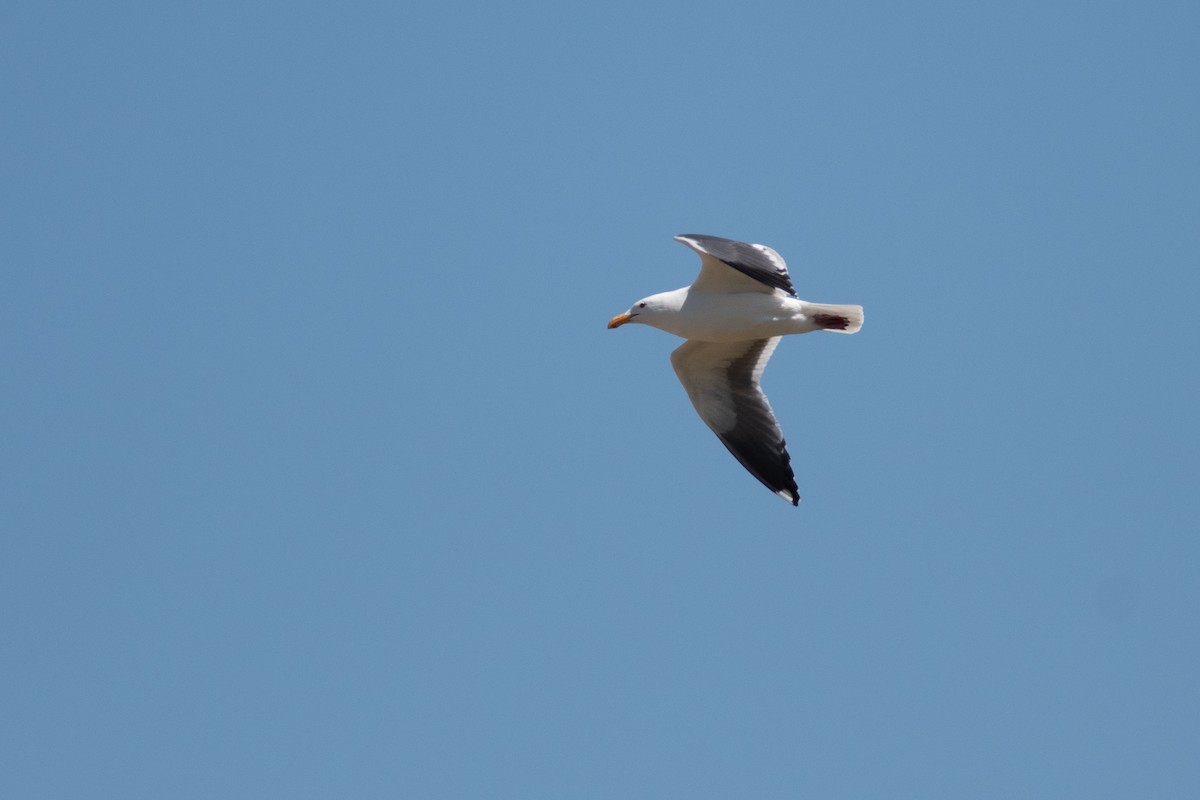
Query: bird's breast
point(734, 317)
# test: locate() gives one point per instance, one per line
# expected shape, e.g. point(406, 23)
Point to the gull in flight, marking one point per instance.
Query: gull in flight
point(733, 316)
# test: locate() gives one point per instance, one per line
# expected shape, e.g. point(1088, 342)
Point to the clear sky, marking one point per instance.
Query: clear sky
point(322, 476)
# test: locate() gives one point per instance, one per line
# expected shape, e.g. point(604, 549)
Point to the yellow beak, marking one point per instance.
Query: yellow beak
point(619, 320)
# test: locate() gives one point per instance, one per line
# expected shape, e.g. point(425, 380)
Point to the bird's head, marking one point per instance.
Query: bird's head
point(643, 311)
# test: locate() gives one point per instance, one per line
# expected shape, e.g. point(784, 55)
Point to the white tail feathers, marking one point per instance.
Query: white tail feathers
point(840, 319)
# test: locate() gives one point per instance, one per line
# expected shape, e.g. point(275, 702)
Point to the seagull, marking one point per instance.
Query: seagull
point(733, 316)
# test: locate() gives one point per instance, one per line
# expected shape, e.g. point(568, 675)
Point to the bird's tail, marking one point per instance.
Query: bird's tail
point(842, 319)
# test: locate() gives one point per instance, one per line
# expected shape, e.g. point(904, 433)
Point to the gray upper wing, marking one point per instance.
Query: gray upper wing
point(756, 261)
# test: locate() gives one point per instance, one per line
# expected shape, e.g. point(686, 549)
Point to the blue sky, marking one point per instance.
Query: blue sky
point(322, 476)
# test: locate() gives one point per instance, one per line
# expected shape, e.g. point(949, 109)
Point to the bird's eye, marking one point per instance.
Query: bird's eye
point(641, 305)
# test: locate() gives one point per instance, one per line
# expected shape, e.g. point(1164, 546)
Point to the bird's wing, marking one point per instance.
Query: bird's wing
point(721, 379)
point(727, 266)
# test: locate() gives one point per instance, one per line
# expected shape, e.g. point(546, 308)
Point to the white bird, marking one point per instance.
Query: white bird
point(733, 316)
